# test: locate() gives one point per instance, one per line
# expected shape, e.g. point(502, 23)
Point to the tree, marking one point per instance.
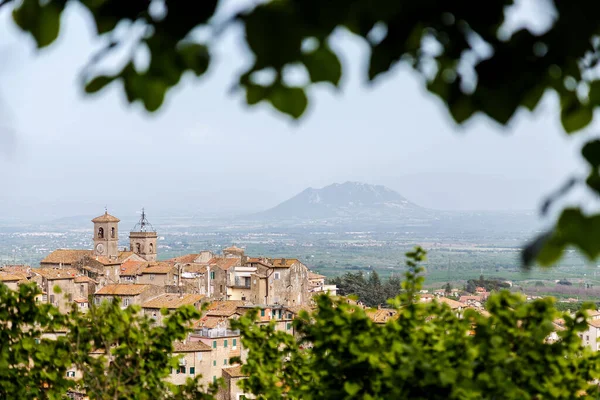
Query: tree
point(131, 361)
point(463, 51)
point(423, 353)
point(448, 289)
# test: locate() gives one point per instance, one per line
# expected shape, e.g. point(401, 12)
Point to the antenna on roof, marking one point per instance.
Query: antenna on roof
point(105, 209)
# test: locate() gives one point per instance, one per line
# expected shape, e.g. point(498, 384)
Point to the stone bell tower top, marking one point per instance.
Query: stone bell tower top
point(106, 235)
point(142, 239)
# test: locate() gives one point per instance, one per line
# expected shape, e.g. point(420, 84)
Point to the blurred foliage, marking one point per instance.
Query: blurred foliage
point(424, 352)
point(464, 51)
point(118, 350)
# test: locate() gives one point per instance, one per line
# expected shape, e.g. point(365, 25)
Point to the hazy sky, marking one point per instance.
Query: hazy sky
point(206, 151)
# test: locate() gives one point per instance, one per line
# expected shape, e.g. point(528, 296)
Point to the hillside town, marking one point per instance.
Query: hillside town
point(230, 283)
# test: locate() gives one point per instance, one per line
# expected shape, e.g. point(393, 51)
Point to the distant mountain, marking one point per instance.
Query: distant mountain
point(346, 201)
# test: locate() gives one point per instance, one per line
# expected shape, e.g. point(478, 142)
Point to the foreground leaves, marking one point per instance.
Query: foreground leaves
point(425, 351)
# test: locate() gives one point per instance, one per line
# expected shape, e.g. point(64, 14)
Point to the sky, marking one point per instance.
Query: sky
point(63, 153)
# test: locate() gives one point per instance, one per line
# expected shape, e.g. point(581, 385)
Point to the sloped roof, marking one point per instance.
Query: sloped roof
point(124, 255)
point(107, 261)
point(195, 268)
point(312, 275)
point(82, 279)
point(122, 289)
point(56, 273)
point(224, 263)
point(179, 347)
point(158, 268)
point(209, 322)
point(452, 303)
point(234, 372)
point(283, 262)
point(185, 259)
point(6, 277)
point(21, 270)
point(81, 300)
point(65, 256)
point(106, 217)
point(132, 268)
point(173, 301)
point(224, 308)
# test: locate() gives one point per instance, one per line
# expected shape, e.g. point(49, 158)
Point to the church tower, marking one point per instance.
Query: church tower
point(106, 235)
point(142, 239)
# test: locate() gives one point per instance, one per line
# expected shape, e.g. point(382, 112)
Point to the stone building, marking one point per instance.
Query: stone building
point(159, 274)
point(11, 280)
point(231, 389)
point(142, 239)
point(129, 294)
point(64, 280)
point(279, 281)
point(170, 302)
point(195, 358)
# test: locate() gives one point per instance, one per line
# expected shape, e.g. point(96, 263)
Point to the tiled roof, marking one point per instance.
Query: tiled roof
point(172, 301)
point(463, 299)
point(233, 249)
point(21, 270)
point(179, 347)
point(195, 268)
point(296, 309)
point(82, 279)
point(452, 303)
point(234, 372)
point(6, 277)
point(224, 263)
point(107, 261)
point(381, 315)
point(123, 255)
point(106, 217)
point(224, 308)
point(56, 273)
point(312, 275)
point(122, 289)
point(185, 259)
point(209, 322)
point(592, 313)
point(65, 256)
point(158, 268)
point(283, 262)
point(132, 268)
point(81, 300)
point(595, 323)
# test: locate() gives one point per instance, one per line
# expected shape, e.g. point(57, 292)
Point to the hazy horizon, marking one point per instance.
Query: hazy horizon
point(65, 154)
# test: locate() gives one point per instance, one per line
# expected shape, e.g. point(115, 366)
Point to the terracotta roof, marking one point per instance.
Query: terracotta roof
point(106, 217)
point(195, 268)
point(381, 315)
point(123, 255)
point(283, 262)
point(208, 322)
point(452, 303)
point(132, 268)
point(185, 259)
point(595, 323)
point(6, 277)
point(592, 313)
point(21, 270)
point(234, 249)
point(122, 289)
point(56, 273)
point(296, 309)
point(312, 275)
point(462, 299)
point(106, 261)
point(179, 347)
point(234, 372)
point(82, 279)
point(173, 301)
point(81, 300)
point(65, 256)
point(224, 308)
point(158, 268)
point(224, 263)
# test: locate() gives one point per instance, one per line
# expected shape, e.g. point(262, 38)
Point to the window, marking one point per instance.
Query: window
point(214, 363)
point(151, 248)
point(289, 315)
point(289, 326)
point(100, 233)
point(112, 232)
point(234, 343)
point(51, 299)
point(212, 275)
point(181, 369)
point(37, 341)
point(587, 337)
point(276, 275)
point(262, 313)
point(192, 370)
point(126, 302)
point(70, 374)
point(225, 343)
point(225, 362)
point(214, 379)
point(81, 289)
point(97, 300)
point(221, 286)
point(214, 344)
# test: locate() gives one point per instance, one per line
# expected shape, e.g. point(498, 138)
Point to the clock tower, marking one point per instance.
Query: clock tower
point(106, 235)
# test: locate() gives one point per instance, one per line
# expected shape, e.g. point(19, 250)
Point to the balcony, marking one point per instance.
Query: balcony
point(240, 282)
point(215, 333)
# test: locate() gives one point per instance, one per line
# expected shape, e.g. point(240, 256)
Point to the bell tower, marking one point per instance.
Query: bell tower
point(142, 239)
point(106, 235)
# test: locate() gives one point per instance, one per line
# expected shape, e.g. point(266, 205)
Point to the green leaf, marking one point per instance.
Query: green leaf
point(255, 93)
point(98, 83)
point(195, 57)
point(289, 100)
point(154, 94)
point(323, 65)
point(351, 388)
point(591, 152)
point(575, 116)
point(43, 22)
